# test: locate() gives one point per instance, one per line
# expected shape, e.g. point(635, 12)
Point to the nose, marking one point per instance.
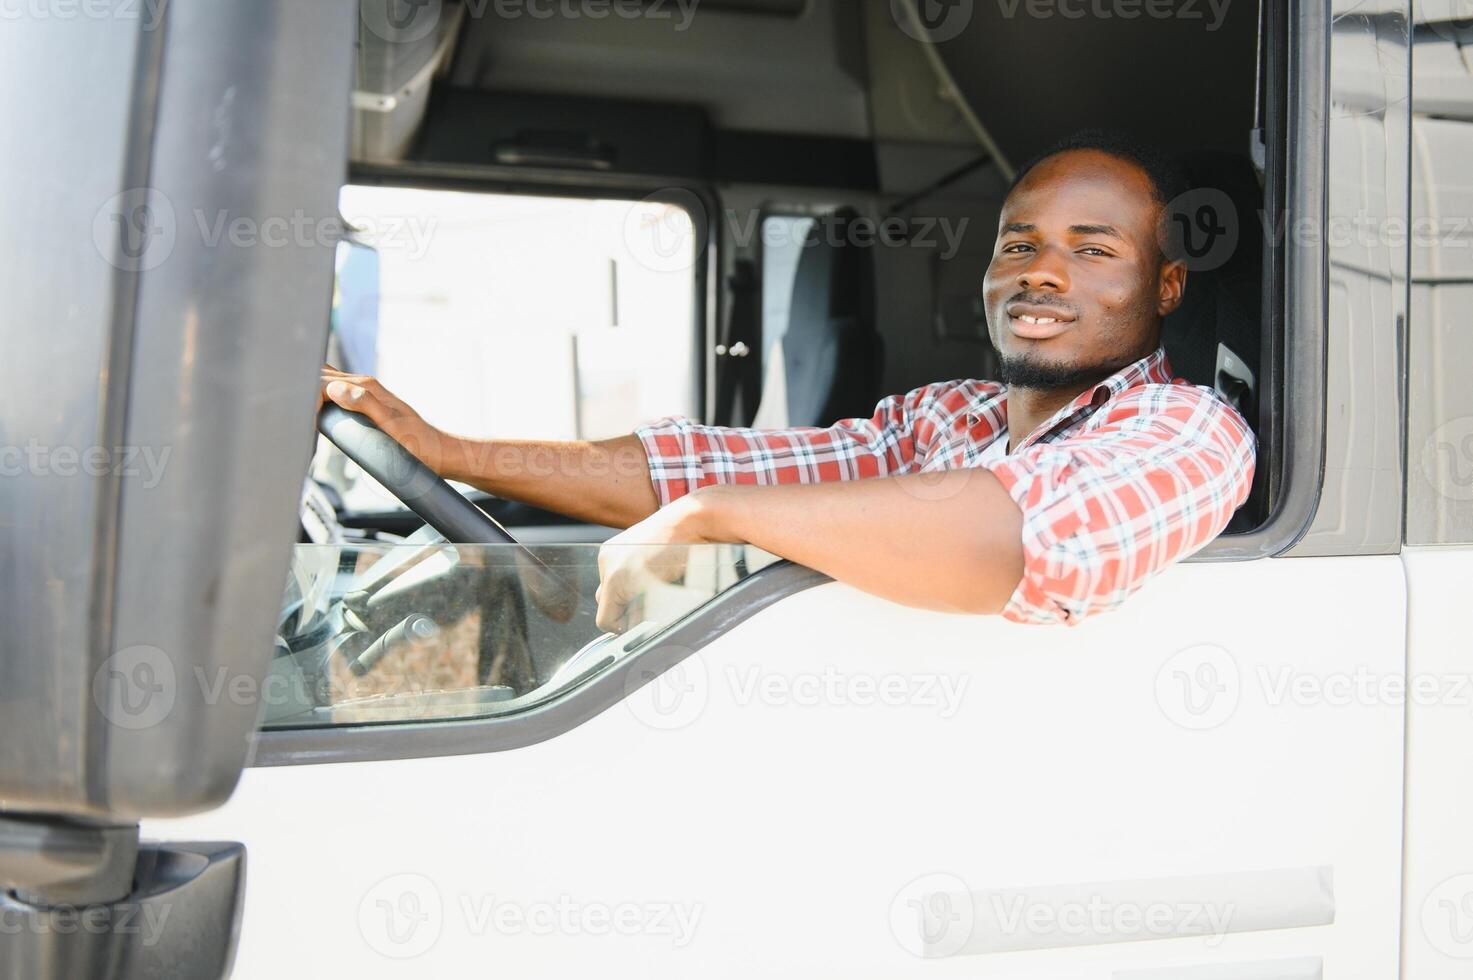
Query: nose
point(1044, 271)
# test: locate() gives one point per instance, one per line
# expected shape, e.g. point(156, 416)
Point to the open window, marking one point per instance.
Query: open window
point(515, 305)
point(1210, 89)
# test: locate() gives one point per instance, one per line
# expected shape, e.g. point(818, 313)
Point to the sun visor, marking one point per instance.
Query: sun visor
point(402, 48)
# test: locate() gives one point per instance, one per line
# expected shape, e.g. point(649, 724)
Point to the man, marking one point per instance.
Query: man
point(1046, 498)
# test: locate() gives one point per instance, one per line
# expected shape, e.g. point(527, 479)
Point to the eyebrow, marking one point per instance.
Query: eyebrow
point(1096, 230)
point(1023, 228)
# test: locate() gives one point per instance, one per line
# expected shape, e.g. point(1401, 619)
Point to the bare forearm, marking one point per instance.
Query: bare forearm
point(949, 541)
point(605, 482)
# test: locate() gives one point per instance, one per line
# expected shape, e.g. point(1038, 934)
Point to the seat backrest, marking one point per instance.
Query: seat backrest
point(1216, 337)
point(1222, 307)
point(831, 352)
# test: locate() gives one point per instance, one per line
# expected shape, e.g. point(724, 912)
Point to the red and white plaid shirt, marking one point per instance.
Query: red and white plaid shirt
point(1136, 473)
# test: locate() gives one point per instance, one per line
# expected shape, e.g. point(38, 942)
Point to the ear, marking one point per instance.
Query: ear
point(1172, 286)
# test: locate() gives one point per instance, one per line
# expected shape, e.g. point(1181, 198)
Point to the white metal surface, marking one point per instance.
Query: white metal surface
point(1438, 907)
point(776, 805)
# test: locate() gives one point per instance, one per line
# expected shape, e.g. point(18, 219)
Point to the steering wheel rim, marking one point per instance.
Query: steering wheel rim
point(417, 486)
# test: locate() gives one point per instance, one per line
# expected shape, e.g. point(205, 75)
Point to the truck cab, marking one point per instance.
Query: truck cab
point(239, 634)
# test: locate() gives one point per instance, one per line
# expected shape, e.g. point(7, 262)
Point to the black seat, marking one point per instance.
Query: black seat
point(1215, 338)
point(832, 354)
point(1223, 304)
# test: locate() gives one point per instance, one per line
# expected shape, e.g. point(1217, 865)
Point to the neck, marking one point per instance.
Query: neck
point(1028, 408)
point(1031, 405)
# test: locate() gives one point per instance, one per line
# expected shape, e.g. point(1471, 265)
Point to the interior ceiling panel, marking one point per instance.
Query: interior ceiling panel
point(752, 65)
point(1035, 71)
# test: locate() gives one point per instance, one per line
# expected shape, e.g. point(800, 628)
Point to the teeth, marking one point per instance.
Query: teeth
point(1038, 319)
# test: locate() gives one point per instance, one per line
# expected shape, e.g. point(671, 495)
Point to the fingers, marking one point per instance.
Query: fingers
point(616, 589)
point(348, 394)
point(328, 372)
point(628, 565)
point(367, 396)
point(352, 396)
point(329, 375)
point(356, 393)
point(611, 606)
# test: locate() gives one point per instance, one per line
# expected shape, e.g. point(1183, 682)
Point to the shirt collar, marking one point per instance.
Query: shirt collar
point(1151, 369)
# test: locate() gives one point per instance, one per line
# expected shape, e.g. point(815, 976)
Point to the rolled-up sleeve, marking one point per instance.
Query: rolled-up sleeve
point(1105, 510)
point(684, 455)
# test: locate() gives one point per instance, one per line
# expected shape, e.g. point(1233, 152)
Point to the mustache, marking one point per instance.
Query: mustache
point(1041, 299)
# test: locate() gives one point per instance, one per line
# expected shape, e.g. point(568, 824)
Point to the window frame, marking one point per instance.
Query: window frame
point(1292, 415)
point(1291, 422)
point(562, 713)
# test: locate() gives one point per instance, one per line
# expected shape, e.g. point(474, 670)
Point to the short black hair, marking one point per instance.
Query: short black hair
point(1168, 181)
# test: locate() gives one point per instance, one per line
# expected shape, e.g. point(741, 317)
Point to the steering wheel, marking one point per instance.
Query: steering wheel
point(440, 506)
point(420, 488)
point(436, 502)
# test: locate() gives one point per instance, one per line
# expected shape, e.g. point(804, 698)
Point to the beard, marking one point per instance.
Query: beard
point(1040, 374)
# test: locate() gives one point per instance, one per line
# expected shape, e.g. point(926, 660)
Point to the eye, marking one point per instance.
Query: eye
point(1095, 250)
point(1017, 246)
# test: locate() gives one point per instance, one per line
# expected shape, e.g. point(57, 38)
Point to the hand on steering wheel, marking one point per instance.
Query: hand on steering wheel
point(405, 474)
point(391, 443)
point(367, 396)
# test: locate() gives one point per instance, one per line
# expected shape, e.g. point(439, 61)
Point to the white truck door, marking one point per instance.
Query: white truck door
point(1205, 784)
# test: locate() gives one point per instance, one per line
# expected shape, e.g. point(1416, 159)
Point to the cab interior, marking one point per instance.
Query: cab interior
point(839, 165)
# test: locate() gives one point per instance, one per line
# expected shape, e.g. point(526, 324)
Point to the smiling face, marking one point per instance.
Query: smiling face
point(1078, 284)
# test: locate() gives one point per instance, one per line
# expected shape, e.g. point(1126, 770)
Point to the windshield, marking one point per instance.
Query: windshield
point(425, 630)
